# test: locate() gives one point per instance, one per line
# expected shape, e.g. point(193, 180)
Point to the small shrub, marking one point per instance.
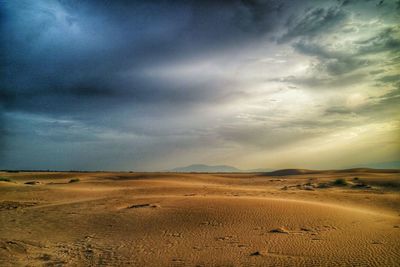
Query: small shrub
point(3, 179)
point(340, 182)
point(75, 180)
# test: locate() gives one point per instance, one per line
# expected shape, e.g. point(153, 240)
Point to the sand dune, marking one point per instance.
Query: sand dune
point(169, 219)
point(286, 172)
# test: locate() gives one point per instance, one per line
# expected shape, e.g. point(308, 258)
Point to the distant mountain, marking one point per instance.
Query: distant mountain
point(206, 168)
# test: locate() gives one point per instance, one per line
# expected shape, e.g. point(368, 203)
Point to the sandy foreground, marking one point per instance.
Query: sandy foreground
point(171, 219)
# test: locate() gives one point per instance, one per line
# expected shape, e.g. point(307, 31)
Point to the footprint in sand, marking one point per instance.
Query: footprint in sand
point(225, 238)
point(211, 223)
point(33, 183)
point(146, 205)
point(280, 230)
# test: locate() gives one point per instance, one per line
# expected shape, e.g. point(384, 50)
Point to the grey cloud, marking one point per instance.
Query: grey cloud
point(387, 40)
point(338, 110)
point(306, 33)
point(285, 134)
point(344, 66)
point(376, 71)
point(314, 49)
point(315, 81)
point(313, 22)
point(335, 62)
point(390, 78)
point(376, 109)
point(261, 137)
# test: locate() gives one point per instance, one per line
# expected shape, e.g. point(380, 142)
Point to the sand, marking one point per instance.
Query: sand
point(171, 219)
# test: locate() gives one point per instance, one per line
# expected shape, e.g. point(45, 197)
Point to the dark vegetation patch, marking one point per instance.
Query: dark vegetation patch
point(339, 182)
point(12, 205)
point(395, 185)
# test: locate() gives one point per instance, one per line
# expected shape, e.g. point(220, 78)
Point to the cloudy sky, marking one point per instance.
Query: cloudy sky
point(152, 85)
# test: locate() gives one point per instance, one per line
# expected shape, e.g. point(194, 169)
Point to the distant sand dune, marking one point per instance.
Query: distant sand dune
point(285, 172)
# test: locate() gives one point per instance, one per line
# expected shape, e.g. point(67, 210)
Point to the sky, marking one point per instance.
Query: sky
point(152, 85)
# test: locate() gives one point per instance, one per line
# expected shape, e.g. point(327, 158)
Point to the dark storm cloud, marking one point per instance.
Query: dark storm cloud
point(61, 53)
point(75, 51)
point(86, 61)
point(260, 16)
point(71, 56)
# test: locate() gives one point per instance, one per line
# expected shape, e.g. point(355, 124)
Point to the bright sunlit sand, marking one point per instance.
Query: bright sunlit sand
point(172, 219)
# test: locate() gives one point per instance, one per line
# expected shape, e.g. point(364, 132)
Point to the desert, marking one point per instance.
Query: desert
point(199, 133)
point(282, 218)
